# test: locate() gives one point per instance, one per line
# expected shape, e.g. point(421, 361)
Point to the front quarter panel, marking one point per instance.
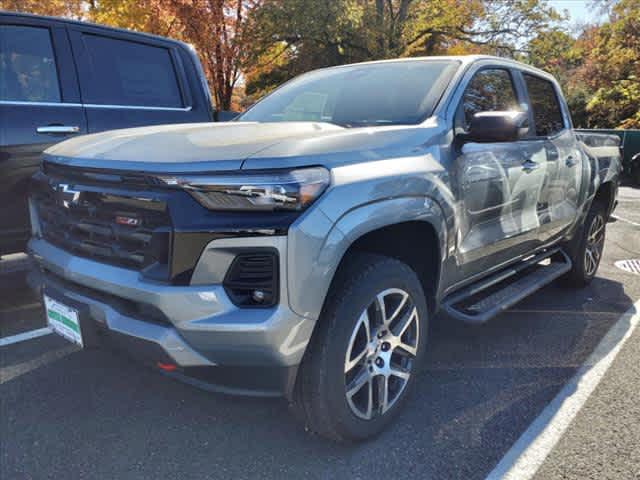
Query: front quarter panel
point(363, 197)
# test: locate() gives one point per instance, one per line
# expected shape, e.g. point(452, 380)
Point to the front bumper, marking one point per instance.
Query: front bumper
point(197, 328)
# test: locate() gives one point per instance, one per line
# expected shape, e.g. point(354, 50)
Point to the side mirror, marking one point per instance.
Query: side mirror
point(500, 126)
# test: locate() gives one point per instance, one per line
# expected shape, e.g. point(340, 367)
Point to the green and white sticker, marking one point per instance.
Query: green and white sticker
point(63, 320)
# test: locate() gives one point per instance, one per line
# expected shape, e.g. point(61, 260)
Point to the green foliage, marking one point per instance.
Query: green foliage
point(151, 16)
point(614, 73)
point(318, 33)
point(577, 99)
point(259, 44)
point(61, 8)
point(600, 70)
point(554, 51)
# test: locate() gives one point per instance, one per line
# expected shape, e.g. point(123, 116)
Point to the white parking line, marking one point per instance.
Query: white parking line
point(14, 371)
point(526, 456)
point(14, 263)
point(635, 224)
point(21, 337)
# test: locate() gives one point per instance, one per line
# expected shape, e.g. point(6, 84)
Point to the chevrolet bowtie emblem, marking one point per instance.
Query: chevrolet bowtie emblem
point(69, 196)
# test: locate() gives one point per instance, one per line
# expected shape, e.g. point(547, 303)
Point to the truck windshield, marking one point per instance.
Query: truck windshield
point(390, 93)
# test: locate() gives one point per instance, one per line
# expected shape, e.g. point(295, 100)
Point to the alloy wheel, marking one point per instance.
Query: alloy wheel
point(595, 245)
point(381, 353)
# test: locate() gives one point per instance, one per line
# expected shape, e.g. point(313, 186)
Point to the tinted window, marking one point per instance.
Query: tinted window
point(360, 95)
point(27, 65)
point(489, 91)
point(544, 102)
point(128, 73)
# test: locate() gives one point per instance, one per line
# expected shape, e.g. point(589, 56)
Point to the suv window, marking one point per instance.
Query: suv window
point(544, 102)
point(489, 90)
point(129, 73)
point(27, 65)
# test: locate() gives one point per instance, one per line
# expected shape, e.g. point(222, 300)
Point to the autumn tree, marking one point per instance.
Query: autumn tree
point(150, 16)
point(613, 69)
point(59, 8)
point(559, 53)
point(258, 44)
point(293, 36)
point(600, 69)
point(218, 30)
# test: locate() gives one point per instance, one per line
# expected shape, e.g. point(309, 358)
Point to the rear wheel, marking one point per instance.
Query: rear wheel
point(587, 252)
point(363, 358)
point(635, 173)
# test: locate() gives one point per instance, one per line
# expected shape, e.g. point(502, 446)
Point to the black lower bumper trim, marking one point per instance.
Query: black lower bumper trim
point(233, 380)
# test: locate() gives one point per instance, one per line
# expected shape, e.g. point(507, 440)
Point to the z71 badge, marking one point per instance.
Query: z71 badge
point(129, 221)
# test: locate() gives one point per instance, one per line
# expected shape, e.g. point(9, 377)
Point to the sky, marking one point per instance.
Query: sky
point(580, 11)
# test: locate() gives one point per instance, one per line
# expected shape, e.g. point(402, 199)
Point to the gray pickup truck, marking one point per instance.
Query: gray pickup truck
point(303, 249)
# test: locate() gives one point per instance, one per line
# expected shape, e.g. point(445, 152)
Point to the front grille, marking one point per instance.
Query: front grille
point(91, 176)
point(252, 280)
point(125, 230)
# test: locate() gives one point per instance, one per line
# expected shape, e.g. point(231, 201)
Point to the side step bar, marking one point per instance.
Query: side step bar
point(485, 299)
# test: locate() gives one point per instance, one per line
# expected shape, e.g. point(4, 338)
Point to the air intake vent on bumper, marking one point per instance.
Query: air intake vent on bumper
point(252, 280)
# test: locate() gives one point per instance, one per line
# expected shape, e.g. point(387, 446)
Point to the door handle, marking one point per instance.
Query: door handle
point(480, 173)
point(58, 129)
point(530, 166)
point(571, 162)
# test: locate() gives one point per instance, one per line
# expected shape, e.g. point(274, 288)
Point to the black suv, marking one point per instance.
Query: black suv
point(62, 78)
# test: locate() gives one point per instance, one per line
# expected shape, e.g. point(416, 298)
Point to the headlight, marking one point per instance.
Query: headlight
point(269, 191)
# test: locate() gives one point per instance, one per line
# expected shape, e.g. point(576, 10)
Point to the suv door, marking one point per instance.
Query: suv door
point(39, 106)
point(553, 134)
point(127, 80)
point(499, 184)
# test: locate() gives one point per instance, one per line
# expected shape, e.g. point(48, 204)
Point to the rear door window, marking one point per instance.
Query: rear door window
point(547, 114)
point(27, 65)
point(121, 72)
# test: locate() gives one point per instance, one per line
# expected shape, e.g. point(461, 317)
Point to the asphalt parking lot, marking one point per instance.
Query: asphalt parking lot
point(70, 413)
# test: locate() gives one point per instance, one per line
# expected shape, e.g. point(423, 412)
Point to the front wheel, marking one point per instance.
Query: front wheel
point(589, 247)
point(363, 358)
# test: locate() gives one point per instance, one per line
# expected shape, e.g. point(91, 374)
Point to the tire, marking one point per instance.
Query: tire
point(321, 397)
point(587, 249)
point(635, 174)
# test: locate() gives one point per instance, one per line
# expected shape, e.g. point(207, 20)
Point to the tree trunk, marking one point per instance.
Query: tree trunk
point(380, 40)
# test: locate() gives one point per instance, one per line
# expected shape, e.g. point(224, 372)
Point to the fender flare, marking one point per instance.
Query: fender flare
point(310, 276)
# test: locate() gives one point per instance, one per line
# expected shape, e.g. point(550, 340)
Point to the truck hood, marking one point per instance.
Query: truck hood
point(186, 147)
point(227, 146)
